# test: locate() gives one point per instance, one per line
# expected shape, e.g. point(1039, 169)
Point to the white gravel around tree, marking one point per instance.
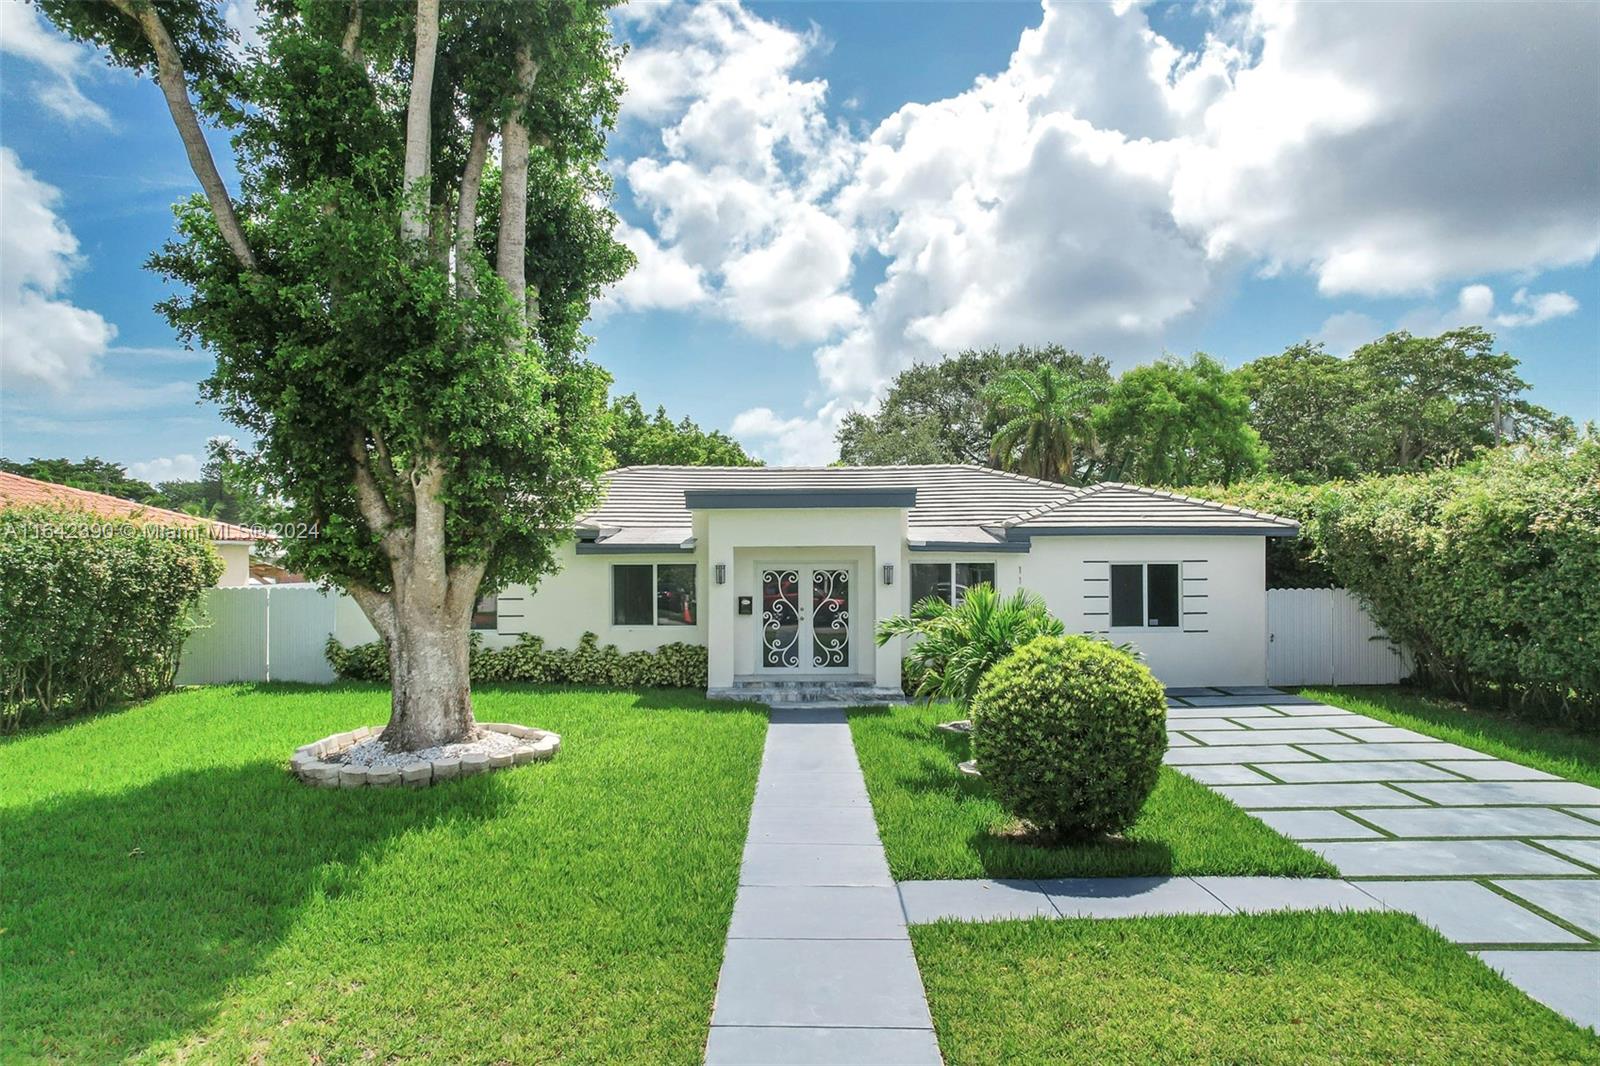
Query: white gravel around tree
point(375, 753)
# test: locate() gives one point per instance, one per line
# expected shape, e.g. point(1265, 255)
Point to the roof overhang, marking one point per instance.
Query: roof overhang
point(1153, 531)
point(756, 499)
point(988, 547)
point(636, 541)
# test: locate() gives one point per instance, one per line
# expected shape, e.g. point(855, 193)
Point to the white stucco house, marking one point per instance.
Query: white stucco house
point(783, 573)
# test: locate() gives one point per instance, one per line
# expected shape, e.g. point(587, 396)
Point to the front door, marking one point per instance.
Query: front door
point(805, 618)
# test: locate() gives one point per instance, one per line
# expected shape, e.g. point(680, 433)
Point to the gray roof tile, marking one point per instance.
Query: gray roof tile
point(971, 498)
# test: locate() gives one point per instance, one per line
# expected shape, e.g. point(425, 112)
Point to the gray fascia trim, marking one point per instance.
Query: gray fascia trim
point(589, 547)
point(968, 546)
point(1156, 531)
point(744, 499)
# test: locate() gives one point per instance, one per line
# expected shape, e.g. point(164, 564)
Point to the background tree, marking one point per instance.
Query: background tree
point(1437, 401)
point(1178, 423)
point(92, 474)
point(394, 313)
point(937, 413)
point(1048, 427)
point(640, 439)
point(1308, 408)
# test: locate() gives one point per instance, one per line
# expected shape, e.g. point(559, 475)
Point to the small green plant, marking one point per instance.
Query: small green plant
point(1069, 733)
point(673, 665)
point(958, 644)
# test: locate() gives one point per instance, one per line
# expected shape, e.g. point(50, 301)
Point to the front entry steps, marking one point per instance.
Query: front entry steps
point(839, 691)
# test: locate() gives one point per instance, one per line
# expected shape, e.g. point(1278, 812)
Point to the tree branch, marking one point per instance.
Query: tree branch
point(170, 76)
point(369, 496)
point(467, 208)
point(351, 45)
point(509, 262)
point(419, 130)
point(377, 606)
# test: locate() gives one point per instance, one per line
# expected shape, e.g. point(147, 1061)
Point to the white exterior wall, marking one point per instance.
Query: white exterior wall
point(576, 599)
point(1223, 637)
point(235, 557)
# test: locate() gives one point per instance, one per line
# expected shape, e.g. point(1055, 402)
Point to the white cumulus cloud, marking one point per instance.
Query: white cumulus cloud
point(184, 467)
point(26, 35)
point(46, 341)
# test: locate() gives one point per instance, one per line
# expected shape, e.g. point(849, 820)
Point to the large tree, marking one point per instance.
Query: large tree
point(639, 439)
point(1048, 427)
point(394, 294)
point(938, 413)
point(1177, 422)
point(1308, 407)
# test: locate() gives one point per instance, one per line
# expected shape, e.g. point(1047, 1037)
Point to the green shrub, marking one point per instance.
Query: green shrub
point(956, 645)
point(1486, 573)
point(673, 665)
point(1069, 733)
point(1292, 562)
point(92, 610)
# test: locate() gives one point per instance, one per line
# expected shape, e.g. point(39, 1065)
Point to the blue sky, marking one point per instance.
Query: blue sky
point(822, 193)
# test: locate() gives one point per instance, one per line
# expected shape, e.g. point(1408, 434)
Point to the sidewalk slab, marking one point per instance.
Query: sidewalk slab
point(1585, 851)
point(1577, 902)
point(1269, 736)
point(1481, 822)
point(1483, 793)
point(817, 912)
point(1564, 981)
point(1226, 774)
point(1435, 749)
point(1256, 895)
point(855, 983)
point(1495, 770)
point(976, 900)
point(1330, 772)
point(1235, 754)
point(1129, 897)
point(841, 789)
point(1314, 824)
point(812, 825)
point(814, 864)
point(1432, 858)
point(743, 1045)
point(1468, 913)
point(1337, 795)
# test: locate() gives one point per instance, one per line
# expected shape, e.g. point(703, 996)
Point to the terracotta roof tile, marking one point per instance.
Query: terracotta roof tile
point(19, 491)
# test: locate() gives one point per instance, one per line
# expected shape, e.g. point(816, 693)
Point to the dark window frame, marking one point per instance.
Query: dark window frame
point(486, 614)
point(655, 596)
point(948, 578)
point(1145, 599)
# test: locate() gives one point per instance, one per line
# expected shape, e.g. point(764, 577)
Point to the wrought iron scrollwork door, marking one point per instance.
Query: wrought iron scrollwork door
point(780, 618)
point(830, 618)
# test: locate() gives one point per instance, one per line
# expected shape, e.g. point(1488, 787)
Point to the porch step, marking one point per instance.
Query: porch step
point(809, 692)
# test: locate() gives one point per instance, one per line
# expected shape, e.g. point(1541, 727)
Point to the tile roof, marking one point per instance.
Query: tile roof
point(954, 503)
point(19, 491)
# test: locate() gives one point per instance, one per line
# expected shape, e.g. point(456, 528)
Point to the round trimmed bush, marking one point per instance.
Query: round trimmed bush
point(1069, 733)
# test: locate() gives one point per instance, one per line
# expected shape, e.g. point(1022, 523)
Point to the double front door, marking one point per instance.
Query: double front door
point(806, 624)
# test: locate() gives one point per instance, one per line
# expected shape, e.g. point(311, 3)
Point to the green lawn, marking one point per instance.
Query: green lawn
point(938, 824)
point(1544, 746)
point(170, 892)
point(1281, 988)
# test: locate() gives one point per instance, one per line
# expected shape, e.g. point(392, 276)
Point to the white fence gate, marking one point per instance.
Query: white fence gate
point(262, 633)
point(1325, 637)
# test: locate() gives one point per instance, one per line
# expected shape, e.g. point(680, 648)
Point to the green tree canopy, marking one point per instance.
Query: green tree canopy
point(1177, 422)
point(92, 474)
point(937, 412)
point(639, 439)
point(1306, 405)
point(393, 312)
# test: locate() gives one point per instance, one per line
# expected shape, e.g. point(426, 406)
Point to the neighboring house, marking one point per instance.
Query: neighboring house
point(783, 573)
point(232, 542)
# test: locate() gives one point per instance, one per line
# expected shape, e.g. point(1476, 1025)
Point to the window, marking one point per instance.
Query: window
point(948, 581)
point(486, 615)
point(653, 594)
point(1144, 595)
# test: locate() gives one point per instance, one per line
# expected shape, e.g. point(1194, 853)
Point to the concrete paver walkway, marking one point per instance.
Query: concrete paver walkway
point(818, 966)
point(1500, 857)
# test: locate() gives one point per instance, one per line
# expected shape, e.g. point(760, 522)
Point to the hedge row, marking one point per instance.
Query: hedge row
point(92, 611)
point(673, 665)
point(1487, 572)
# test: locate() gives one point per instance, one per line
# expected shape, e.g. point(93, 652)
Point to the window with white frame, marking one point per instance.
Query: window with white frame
point(653, 594)
point(948, 581)
point(1145, 595)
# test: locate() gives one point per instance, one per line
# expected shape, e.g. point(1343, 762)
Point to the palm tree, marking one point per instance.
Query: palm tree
point(1048, 421)
point(959, 644)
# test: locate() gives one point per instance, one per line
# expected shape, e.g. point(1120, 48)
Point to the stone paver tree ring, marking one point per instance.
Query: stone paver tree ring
point(359, 758)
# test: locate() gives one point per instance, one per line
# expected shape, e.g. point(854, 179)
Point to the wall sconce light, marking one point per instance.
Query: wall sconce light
point(722, 573)
point(888, 573)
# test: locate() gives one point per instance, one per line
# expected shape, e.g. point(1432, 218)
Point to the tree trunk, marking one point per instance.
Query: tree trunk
point(467, 205)
point(428, 677)
point(513, 239)
point(419, 130)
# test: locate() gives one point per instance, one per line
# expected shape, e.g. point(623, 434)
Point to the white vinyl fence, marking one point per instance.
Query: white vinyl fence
point(269, 633)
point(1325, 637)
